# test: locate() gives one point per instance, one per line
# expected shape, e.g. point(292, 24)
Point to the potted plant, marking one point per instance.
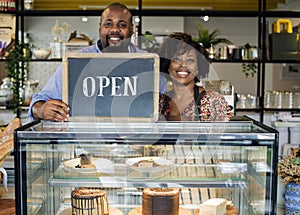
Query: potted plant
point(249, 53)
point(17, 65)
point(249, 69)
point(208, 39)
point(150, 42)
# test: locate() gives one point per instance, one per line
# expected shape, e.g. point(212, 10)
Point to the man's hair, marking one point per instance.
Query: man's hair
point(118, 5)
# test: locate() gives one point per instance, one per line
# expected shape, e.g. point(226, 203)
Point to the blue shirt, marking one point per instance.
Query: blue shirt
point(53, 88)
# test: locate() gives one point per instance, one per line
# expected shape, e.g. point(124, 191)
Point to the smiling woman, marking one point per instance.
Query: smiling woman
point(185, 63)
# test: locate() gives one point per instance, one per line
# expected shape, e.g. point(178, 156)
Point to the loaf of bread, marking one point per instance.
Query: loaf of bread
point(7, 207)
point(7, 137)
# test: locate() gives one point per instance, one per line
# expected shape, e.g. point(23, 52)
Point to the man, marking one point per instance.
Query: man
point(115, 30)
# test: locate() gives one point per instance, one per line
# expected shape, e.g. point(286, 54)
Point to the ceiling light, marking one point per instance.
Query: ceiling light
point(206, 18)
point(137, 19)
point(84, 19)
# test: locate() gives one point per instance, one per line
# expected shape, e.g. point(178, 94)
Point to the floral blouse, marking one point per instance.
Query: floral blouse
point(212, 107)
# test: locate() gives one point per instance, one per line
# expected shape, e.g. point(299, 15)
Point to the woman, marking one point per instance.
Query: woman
point(183, 61)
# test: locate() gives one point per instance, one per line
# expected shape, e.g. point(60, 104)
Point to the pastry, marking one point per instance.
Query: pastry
point(86, 201)
point(91, 201)
point(158, 201)
point(214, 206)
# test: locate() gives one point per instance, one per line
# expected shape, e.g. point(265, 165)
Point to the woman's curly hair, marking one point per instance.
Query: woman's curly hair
point(178, 43)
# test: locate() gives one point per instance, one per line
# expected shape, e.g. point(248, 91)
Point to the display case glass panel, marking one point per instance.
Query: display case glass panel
point(233, 160)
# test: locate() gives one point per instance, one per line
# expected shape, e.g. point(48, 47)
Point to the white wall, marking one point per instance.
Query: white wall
point(162, 25)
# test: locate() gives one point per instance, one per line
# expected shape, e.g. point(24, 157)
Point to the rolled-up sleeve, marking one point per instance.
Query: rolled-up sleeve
point(52, 90)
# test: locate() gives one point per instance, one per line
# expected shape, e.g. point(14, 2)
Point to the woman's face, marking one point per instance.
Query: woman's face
point(183, 67)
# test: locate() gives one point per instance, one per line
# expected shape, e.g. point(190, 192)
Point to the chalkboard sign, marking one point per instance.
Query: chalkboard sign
point(111, 86)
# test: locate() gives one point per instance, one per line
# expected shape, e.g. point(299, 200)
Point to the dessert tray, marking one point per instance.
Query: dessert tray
point(158, 164)
point(138, 211)
point(74, 164)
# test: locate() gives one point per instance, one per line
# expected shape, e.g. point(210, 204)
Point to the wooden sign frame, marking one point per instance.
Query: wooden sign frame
point(111, 86)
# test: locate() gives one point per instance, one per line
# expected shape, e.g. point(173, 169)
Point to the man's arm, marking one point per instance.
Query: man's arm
point(47, 103)
point(54, 110)
point(51, 91)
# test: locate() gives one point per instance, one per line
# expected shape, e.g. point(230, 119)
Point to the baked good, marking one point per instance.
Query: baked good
point(8, 132)
point(86, 161)
point(214, 206)
point(146, 163)
point(157, 201)
point(89, 201)
point(7, 207)
point(229, 207)
point(7, 138)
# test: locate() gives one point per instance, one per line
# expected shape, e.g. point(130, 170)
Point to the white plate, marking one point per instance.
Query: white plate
point(75, 162)
point(112, 210)
point(162, 162)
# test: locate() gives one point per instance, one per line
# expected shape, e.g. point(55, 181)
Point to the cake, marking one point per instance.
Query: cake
point(217, 206)
point(89, 201)
point(85, 161)
point(214, 206)
point(146, 163)
point(158, 201)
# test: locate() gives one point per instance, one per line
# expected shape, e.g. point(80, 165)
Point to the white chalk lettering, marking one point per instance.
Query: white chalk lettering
point(88, 81)
point(114, 86)
point(128, 84)
point(102, 85)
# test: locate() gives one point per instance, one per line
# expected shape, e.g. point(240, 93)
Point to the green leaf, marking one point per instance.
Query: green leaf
point(17, 65)
point(207, 39)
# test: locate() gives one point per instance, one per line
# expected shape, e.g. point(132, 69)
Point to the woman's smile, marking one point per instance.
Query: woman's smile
point(183, 73)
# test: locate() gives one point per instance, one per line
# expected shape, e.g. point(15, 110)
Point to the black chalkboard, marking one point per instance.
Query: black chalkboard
point(111, 86)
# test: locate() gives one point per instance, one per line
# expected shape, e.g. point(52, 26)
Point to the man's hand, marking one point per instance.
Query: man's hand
point(54, 110)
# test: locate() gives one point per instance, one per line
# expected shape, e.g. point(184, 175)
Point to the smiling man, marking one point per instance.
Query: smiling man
point(115, 25)
point(115, 30)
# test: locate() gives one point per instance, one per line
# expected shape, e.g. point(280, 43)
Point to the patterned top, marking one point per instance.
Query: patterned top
point(212, 107)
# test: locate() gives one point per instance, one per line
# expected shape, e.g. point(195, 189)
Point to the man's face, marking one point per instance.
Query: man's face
point(115, 26)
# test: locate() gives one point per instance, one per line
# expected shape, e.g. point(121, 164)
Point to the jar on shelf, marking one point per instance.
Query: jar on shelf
point(296, 100)
point(28, 4)
point(287, 99)
point(268, 99)
point(277, 99)
point(28, 91)
point(6, 92)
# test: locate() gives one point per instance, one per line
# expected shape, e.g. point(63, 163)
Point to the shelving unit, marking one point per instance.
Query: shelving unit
point(261, 14)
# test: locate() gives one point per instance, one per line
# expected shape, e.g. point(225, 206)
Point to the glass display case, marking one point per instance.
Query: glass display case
point(235, 161)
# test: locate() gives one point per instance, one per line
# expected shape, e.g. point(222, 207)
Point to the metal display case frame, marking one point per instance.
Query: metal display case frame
point(236, 159)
